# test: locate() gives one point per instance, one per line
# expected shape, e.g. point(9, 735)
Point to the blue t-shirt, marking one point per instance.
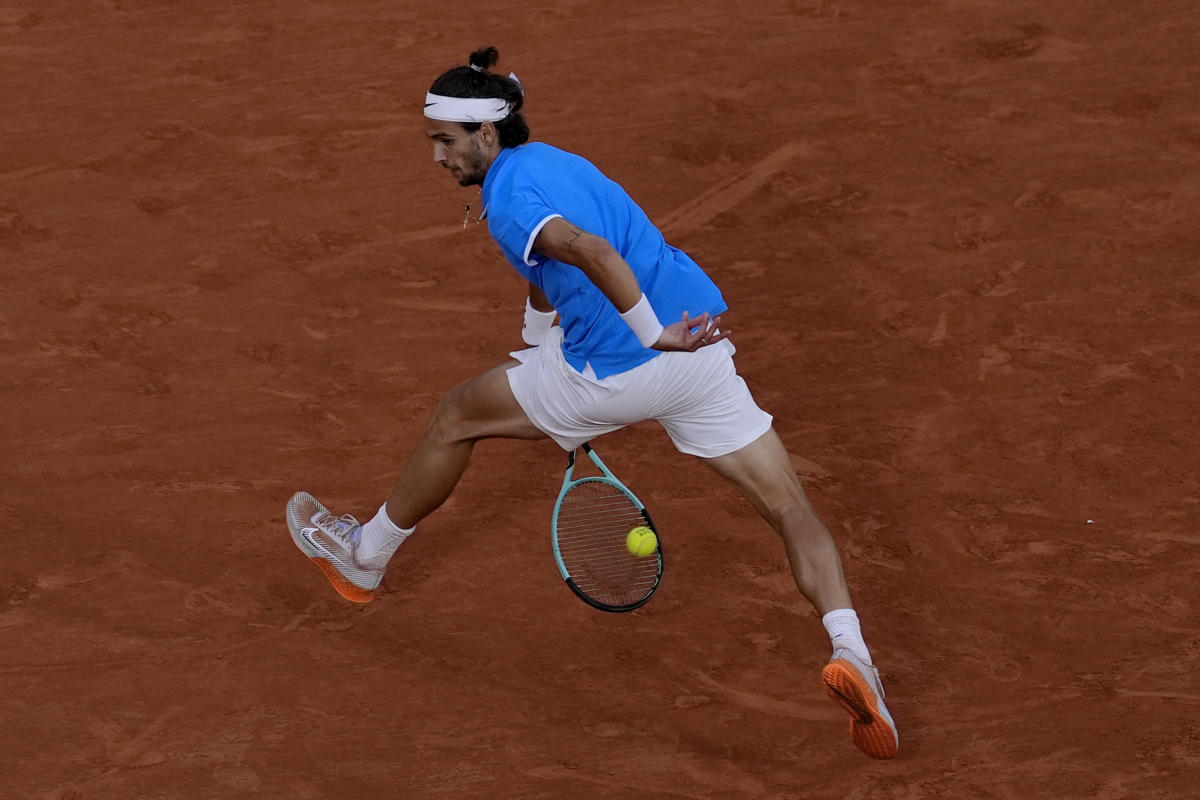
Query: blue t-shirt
point(525, 188)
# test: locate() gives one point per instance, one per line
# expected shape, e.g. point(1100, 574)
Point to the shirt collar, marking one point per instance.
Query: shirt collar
point(490, 179)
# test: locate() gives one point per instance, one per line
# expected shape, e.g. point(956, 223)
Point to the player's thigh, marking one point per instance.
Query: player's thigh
point(763, 471)
point(484, 407)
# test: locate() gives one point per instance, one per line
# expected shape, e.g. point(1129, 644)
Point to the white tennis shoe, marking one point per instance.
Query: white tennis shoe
point(857, 687)
point(332, 543)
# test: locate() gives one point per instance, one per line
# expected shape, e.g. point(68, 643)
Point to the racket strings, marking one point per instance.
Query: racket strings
point(593, 521)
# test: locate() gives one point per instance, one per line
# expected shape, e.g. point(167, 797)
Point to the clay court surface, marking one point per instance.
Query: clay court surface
point(960, 244)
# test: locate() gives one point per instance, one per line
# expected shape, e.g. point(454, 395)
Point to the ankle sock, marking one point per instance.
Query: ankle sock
point(844, 631)
point(380, 537)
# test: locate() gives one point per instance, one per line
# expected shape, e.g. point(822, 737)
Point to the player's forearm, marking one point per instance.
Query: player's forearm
point(607, 269)
point(613, 276)
point(565, 242)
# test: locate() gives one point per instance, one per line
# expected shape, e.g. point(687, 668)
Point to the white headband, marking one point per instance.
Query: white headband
point(468, 109)
point(465, 109)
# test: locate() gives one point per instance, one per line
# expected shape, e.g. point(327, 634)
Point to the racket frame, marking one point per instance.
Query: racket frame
point(608, 477)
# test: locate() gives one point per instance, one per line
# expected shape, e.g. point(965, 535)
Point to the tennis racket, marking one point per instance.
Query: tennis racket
point(592, 517)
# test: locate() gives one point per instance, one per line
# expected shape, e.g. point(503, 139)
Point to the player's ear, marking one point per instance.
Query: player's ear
point(488, 134)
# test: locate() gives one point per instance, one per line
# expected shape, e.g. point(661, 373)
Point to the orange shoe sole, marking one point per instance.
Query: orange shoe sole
point(868, 728)
point(342, 586)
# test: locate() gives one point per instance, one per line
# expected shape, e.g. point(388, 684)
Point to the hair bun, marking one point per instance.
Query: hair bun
point(482, 60)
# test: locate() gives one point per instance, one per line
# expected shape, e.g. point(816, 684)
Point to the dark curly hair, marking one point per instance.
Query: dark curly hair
point(476, 80)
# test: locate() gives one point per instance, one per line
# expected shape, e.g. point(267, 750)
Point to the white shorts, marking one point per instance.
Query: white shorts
point(698, 397)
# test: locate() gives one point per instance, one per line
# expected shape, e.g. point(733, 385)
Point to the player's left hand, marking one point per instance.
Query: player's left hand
point(691, 334)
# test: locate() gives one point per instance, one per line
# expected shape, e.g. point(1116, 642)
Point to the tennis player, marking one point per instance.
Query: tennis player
point(639, 337)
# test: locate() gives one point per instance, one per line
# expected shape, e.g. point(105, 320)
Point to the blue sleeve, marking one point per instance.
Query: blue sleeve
point(516, 223)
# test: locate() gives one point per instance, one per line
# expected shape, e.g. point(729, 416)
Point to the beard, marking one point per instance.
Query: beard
point(474, 168)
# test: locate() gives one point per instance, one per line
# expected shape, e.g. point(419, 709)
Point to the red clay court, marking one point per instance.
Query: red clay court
point(960, 243)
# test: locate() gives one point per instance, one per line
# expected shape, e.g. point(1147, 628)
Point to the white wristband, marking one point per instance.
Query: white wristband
point(643, 322)
point(537, 324)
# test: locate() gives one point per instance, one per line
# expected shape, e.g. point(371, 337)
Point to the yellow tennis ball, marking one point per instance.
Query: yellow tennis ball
point(641, 541)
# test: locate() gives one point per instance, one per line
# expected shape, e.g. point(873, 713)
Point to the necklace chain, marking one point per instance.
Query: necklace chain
point(467, 216)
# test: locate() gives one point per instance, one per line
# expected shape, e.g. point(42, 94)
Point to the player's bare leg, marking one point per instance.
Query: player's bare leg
point(354, 556)
point(763, 471)
point(481, 408)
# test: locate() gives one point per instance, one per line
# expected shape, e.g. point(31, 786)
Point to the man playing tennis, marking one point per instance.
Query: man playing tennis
point(638, 339)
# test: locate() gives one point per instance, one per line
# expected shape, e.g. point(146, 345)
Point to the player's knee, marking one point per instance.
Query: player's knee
point(450, 421)
point(784, 504)
point(798, 521)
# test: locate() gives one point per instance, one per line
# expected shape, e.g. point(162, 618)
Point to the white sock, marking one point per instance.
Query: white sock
point(379, 539)
point(844, 631)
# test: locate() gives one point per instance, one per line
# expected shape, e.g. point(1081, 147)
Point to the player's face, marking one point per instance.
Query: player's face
point(459, 150)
